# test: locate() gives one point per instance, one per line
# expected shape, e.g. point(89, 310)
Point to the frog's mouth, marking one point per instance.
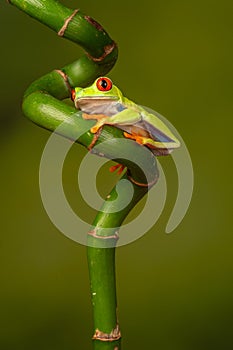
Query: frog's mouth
point(96, 105)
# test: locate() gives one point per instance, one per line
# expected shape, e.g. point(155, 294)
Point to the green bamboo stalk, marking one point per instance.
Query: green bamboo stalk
point(100, 50)
point(102, 263)
point(42, 105)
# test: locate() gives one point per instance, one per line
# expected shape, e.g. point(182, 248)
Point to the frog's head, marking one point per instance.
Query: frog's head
point(97, 96)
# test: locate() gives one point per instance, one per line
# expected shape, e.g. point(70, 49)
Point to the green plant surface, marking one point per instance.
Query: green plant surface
point(42, 105)
point(174, 291)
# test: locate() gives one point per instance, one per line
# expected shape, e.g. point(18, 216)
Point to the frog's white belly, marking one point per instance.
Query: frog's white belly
point(99, 106)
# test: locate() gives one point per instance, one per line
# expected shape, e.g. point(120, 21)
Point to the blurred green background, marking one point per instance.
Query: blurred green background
point(175, 292)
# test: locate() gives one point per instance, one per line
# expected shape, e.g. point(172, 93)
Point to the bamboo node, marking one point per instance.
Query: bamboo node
point(107, 50)
point(94, 234)
point(114, 335)
point(93, 22)
point(141, 184)
point(66, 23)
point(65, 78)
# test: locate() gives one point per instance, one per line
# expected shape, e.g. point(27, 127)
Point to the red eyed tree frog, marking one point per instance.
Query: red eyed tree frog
point(105, 103)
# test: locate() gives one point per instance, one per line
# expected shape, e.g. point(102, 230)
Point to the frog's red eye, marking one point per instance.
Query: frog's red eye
point(104, 84)
point(72, 94)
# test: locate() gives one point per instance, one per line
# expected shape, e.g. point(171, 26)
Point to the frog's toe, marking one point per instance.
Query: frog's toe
point(119, 167)
point(95, 128)
point(128, 136)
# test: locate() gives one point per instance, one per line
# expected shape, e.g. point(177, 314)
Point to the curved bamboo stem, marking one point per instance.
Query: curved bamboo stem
point(42, 105)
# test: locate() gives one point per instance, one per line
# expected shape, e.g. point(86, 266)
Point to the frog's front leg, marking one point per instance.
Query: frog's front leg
point(100, 120)
point(94, 116)
point(125, 117)
point(98, 132)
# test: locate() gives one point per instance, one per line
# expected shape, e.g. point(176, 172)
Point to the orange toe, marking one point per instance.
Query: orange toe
point(128, 136)
point(94, 129)
point(118, 167)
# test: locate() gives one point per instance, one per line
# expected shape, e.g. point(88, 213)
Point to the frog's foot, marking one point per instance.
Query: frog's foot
point(98, 125)
point(119, 167)
point(96, 128)
point(139, 139)
point(100, 121)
